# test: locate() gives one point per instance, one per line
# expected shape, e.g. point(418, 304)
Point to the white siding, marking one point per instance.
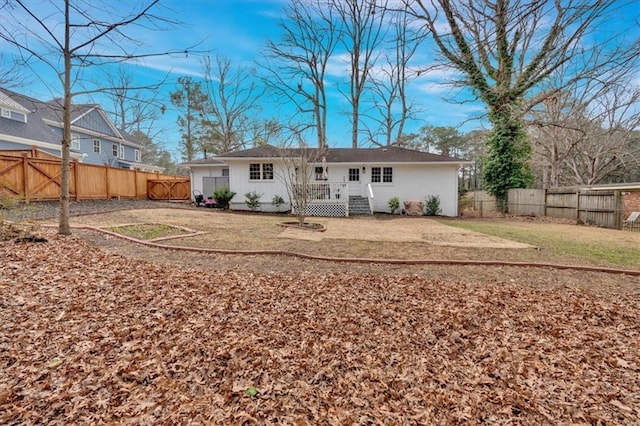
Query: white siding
point(410, 182)
point(239, 183)
point(197, 173)
point(414, 182)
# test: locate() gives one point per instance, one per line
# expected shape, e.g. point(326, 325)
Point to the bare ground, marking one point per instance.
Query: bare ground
point(98, 330)
point(88, 335)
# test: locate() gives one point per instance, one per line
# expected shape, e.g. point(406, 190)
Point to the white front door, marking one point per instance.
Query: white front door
point(354, 182)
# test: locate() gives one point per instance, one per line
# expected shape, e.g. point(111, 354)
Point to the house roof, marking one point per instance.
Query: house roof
point(203, 162)
point(335, 155)
point(40, 114)
point(54, 113)
point(6, 101)
point(35, 128)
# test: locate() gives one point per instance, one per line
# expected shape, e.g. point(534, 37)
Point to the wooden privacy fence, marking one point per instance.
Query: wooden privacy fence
point(601, 207)
point(38, 179)
point(177, 189)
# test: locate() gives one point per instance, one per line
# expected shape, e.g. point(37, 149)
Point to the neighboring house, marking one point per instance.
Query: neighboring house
point(342, 178)
point(26, 123)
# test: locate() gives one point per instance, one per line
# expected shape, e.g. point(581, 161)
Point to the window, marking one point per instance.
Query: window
point(75, 142)
point(136, 156)
point(267, 171)
point(254, 171)
point(258, 171)
point(319, 173)
point(114, 149)
point(387, 175)
point(375, 174)
point(96, 146)
point(122, 152)
point(5, 113)
point(382, 174)
point(225, 172)
point(354, 175)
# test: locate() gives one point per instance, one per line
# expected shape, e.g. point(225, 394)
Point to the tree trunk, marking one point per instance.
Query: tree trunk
point(63, 225)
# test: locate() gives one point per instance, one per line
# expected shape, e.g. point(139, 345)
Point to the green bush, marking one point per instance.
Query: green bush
point(432, 205)
point(394, 204)
point(223, 196)
point(277, 200)
point(252, 200)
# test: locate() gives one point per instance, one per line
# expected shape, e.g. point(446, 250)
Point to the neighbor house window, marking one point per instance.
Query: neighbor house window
point(387, 174)
point(354, 175)
point(122, 152)
point(75, 142)
point(261, 171)
point(96, 146)
point(5, 113)
point(114, 149)
point(225, 172)
point(136, 155)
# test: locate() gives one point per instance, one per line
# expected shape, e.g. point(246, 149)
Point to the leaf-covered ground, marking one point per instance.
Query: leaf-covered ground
point(88, 336)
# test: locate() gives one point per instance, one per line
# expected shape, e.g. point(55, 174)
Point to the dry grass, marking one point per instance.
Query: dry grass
point(403, 238)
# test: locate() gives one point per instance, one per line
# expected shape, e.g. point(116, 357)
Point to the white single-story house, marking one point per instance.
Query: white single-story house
point(340, 178)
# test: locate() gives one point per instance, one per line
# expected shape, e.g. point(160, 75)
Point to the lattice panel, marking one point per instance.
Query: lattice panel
point(326, 210)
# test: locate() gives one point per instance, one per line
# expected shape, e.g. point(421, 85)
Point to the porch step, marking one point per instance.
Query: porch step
point(358, 206)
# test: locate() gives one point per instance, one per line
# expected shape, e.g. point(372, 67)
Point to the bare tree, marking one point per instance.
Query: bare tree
point(585, 134)
point(232, 100)
point(390, 101)
point(10, 73)
point(296, 66)
point(135, 108)
point(297, 164)
point(190, 97)
point(363, 30)
point(263, 132)
point(504, 50)
point(91, 37)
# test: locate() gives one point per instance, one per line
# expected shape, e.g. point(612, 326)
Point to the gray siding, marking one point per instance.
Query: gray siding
point(95, 121)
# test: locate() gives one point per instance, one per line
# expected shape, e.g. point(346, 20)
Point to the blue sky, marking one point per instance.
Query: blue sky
point(239, 30)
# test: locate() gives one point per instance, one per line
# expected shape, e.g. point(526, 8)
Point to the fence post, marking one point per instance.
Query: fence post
point(25, 180)
point(74, 164)
point(617, 214)
point(135, 184)
point(578, 207)
point(106, 180)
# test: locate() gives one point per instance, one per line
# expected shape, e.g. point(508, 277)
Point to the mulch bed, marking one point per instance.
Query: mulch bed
point(91, 337)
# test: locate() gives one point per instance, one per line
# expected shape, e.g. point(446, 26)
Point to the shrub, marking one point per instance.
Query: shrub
point(394, 204)
point(277, 201)
point(432, 205)
point(223, 196)
point(252, 200)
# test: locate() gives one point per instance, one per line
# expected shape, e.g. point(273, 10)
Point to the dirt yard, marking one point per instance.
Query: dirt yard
point(394, 230)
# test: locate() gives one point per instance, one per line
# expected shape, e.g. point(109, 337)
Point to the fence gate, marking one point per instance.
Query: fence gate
point(158, 189)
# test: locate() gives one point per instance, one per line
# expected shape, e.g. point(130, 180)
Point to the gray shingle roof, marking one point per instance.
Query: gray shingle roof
point(37, 111)
point(35, 128)
point(346, 155)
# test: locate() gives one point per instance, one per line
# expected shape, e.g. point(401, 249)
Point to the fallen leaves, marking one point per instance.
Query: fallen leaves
point(91, 337)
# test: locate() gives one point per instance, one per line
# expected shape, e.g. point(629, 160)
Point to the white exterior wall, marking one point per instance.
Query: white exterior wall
point(198, 172)
point(410, 182)
point(239, 183)
point(415, 182)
